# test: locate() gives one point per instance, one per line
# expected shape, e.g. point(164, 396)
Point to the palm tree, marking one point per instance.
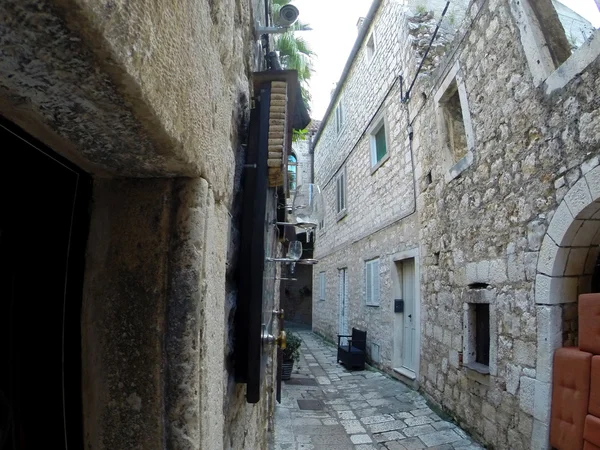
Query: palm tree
point(294, 51)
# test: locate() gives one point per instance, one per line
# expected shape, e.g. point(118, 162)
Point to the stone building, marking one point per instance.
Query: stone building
point(462, 205)
point(122, 128)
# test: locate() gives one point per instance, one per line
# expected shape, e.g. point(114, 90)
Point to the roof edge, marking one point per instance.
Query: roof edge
point(357, 45)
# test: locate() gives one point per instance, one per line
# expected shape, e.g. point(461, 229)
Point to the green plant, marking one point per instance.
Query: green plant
point(291, 352)
point(421, 9)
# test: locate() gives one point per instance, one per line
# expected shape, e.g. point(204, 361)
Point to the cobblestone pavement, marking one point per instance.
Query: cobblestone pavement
point(363, 410)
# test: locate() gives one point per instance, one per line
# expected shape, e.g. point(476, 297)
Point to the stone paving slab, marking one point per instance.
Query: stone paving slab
point(361, 410)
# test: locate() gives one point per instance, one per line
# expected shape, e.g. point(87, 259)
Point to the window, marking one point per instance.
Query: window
point(341, 192)
point(482, 334)
point(372, 282)
point(553, 31)
point(339, 117)
point(322, 286)
point(292, 174)
point(371, 47)
point(478, 352)
point(456, 136)
point(378, 144)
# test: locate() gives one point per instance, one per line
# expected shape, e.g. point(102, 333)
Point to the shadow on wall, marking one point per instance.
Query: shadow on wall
point(296, 296)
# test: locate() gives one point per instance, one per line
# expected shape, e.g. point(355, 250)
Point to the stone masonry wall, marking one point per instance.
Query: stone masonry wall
point(152, 99)
point(479, 226)
point(486, 225)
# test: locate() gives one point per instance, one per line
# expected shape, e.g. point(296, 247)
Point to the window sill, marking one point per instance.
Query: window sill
point(478, 367)
point(380, 163)
point(343, 213)
point(372, 306)
point(461, 165)
point(574, 65)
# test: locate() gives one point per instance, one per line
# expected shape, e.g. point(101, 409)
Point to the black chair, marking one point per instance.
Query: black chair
point(353, 353)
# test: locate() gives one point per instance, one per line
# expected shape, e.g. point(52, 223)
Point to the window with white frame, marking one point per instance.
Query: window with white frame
point(341, 192)
point(339, 116)
point(378, 141)
point(322, 286)
point(371, 47)
point(372, 282)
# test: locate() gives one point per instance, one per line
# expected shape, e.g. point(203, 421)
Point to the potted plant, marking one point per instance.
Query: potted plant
point(291, 353)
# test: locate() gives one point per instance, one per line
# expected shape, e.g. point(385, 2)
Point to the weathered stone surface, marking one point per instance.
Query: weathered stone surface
point(518, 218)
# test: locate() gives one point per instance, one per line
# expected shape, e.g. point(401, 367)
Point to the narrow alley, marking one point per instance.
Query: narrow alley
point(326, 407)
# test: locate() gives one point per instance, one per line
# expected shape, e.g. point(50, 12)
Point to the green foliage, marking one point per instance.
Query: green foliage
point(299, 135)
point(421, 9)
point(292, 347)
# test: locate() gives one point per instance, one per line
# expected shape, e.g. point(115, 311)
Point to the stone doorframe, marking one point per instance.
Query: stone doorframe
point(565, 266)
point(414, 253)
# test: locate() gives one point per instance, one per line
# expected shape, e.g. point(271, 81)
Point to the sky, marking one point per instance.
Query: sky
point(334, 32)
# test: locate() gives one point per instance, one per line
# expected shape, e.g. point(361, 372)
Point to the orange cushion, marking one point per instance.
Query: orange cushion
point(589, 323)
point(591, 432)
point(594, 406)
point(570, 393)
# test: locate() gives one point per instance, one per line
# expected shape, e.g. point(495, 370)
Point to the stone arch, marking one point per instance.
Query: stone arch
point(566, 264)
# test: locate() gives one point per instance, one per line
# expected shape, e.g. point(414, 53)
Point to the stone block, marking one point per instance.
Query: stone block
point(542, 401)
point(549, 338)
point(536, 231)
point(512, 378)
point(497, 271)
point(588, 165)
point(483, 271)
point(593, 180)
point(527, 395)
point(561, 221)
point(524, 353)
point(555, 290)
point(576, 262)
point(471, 273)
point(552, 258)
point(578, 197)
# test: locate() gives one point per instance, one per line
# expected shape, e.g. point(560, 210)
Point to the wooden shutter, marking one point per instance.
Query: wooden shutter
point(375, 276)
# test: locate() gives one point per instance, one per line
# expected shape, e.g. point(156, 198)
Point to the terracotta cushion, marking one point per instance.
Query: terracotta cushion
point(570, 393)
point(589, 323)
point(594, 406)
point(588, 446)
point(591, 431)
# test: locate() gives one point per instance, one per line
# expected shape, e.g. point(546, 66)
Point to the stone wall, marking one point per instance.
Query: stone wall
point(485, 223)
point(152, 99)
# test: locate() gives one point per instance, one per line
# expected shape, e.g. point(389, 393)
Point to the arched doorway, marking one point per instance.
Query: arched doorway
point(567, 266)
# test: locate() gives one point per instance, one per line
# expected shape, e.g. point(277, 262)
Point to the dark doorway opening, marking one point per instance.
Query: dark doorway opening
point(43, 229)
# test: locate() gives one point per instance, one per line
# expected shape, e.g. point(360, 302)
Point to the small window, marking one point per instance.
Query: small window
point(339, 117)
point(456, 137)
point(477, 337)
point(341, 191)
point(322, 286)
point(482, 333)
point(371, 47)
point(292, 174)
point(372, 282)
point(378, 144)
